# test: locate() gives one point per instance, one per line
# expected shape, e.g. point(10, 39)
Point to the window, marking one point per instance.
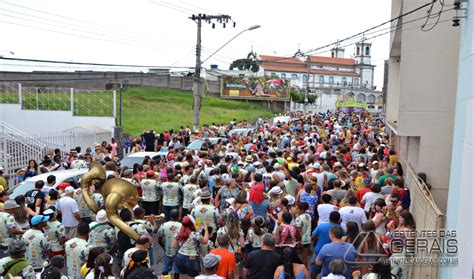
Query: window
point(294, 76)
point(331, 80)
point(321, 79)
point(361, 98)
point(371, 99)
point(344, 81)
point(356, 82)
point(367, 50)
point(358, 51)
point(305, 78)
point(273, 75)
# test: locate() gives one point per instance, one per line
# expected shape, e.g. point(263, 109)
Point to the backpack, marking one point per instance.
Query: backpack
point(14, 267)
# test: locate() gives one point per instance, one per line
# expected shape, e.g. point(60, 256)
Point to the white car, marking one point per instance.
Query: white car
point(197, 143)
point(138, 157)
point(240, 132)
point(70, 176)
point(281, 119)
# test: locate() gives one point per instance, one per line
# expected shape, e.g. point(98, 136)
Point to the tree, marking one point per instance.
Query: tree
point(298, 97)
point(249, 63)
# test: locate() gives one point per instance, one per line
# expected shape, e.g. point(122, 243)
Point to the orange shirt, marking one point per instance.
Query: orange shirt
point(226, 264)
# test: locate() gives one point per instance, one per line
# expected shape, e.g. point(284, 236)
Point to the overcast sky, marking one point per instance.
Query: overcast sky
point(158, 32)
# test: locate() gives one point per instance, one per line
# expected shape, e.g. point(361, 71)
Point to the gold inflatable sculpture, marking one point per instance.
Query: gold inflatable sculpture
point(118, 193)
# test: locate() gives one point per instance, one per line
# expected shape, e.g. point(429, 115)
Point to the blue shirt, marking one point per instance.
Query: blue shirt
point(322, 233)
point(260, 209)
point(343, 251)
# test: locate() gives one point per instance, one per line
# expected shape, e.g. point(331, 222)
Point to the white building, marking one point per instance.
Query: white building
point(331, 78)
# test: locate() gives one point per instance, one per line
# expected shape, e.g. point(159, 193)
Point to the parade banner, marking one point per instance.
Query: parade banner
point(255, 88)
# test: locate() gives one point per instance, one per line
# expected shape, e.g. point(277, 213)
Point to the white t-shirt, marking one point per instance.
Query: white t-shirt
point(373, 173)
point(354, 214)
point(214, 276)
point(320, 179)
point(369, 198)
point(323, 211)
point(68, 207)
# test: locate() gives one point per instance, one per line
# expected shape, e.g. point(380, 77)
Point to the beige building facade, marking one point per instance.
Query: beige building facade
point(421, 93)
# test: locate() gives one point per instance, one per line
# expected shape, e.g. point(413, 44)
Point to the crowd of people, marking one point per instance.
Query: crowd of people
point(319, 196)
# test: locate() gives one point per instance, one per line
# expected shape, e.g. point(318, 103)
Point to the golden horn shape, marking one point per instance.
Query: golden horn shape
point(119, 193)
point(96, 172)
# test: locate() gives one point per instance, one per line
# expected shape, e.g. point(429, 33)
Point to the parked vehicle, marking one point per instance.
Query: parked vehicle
point(138, 157)
point(70, 176)
point(197, 143)
point(241, 132)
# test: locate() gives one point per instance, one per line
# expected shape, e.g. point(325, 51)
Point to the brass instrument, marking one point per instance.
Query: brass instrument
point(118, 193)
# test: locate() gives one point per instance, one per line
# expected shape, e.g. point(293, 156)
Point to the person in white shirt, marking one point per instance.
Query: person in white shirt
point(210, 263)
point(352, 213)
point(70, 212)
point(337, 269)
point(325, 209)
point(370, 197)
point(374, 170)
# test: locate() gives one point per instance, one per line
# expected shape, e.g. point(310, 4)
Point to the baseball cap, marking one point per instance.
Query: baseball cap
point(39, 219)
point(150, 173)
point(63, 185)
point(211, 260)
point(290, 199)
point(317, 166)
point(366, 181)
point(69, 189)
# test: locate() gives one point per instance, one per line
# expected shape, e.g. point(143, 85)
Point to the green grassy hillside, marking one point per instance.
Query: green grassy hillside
point(163, 109)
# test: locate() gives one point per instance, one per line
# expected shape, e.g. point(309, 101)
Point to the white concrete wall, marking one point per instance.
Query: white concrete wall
point(39, 121)
point(426, 94)
point(459, 215)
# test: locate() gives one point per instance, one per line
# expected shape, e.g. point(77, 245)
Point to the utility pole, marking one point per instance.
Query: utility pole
point(197, 94)
point(121, 100)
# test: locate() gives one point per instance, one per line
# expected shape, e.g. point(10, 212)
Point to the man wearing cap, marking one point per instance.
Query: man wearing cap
point(56, 233)
point(16, 264)
point(101, 232)
point(206, 213)
point(37, 242)
point(321, 178)
point(150, 196)
point(210, 263)
point(8, 226)
point(77, 251)
point(70, 212)
point(374, 170)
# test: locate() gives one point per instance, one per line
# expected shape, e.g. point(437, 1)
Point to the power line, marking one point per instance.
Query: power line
point(77, 35)
point(95, 25)
point(310, 51)
point(69, 26)
point(88, 63)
